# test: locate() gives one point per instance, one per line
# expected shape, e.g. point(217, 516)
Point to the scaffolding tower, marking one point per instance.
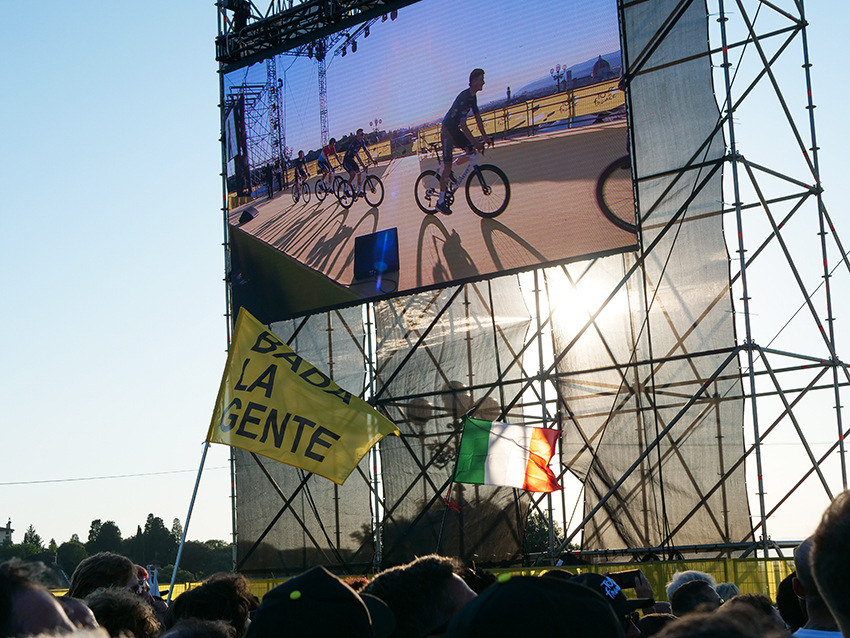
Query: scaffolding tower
point(668, 417)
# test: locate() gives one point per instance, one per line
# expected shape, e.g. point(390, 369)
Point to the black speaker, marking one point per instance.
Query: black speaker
point(376, 254)
point(247, 215)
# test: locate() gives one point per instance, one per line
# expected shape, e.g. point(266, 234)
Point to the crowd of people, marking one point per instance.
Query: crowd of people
point(109, 596)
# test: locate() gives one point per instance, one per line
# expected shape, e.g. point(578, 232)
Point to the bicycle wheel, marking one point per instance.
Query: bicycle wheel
point(427, 191)
point(296, 192)
point(615, 196)
point(488, 191)
point(345, 194)
point(338, 179)
point(373, 189)
point(305, 192)
point(321, 190)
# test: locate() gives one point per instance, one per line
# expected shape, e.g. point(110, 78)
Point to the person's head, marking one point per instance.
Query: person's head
point(680, 578)
point(103, 570)
point(558, 572)
point(757, 605)
point(360, 134)
point(518, 605)
point(424, 595)
point(736, 623)
point(727, 590)
point(610, 591)
point(696, 595)
point(222, 596)
point(830, 560)
point(357, 583)
point(320, 605)
point(807, 590)
point(27, 608)
point(300, 154)
point(78, 612)
point(332, 141)
point(194, 628)
point(476, 80)
point(791, 608)
point(652, 624)
point(478, 579)
point(120, 611)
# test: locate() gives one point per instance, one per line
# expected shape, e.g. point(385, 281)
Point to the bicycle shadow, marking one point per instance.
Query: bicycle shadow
point(453, 261)
point(502, 258)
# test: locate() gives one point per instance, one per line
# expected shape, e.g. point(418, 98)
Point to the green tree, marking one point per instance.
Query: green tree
point(69, 555)
point(103, 537)
point(94, 530)
point(220, 558)
point(52, 547)
point(160, 546)
point(537, 533)
point(32, 538)
point(207, 558)
point(177, 530)
point(19, 550)
point(133, 547)
point(75, 538)
point(195, 557)
point(183, 576)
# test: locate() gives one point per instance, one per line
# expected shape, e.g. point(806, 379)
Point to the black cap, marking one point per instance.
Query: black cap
point(551, 606)
point(319, 605)
point(611, 591)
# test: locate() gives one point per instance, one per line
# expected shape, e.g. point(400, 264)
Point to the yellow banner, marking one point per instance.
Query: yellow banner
point(276, 404)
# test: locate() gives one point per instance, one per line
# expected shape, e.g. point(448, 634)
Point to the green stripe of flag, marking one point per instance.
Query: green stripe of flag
point(474, 448)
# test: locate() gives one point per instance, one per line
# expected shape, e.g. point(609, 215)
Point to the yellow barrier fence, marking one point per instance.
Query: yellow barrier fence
point(751, 575)
point(530, 114)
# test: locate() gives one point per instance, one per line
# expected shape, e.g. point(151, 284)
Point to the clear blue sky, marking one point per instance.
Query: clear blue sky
point(113, 297)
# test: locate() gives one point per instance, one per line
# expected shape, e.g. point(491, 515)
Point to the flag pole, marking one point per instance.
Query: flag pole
point(186, 526)
point(447, 498)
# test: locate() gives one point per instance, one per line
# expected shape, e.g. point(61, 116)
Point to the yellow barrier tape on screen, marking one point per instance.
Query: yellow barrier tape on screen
point(276, 404)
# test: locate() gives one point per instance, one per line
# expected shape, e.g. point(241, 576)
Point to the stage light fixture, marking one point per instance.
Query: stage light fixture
point(310, 52)
point(366, 31)
point(393, 14)
point(384, 18)
point(354, 46)
point(343, 51)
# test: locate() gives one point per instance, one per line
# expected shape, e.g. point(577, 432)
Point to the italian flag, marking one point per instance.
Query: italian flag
point(493, 453)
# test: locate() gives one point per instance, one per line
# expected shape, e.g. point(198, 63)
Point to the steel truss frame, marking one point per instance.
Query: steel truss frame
point(262, 127)
point(778, 382)
point(285, 24)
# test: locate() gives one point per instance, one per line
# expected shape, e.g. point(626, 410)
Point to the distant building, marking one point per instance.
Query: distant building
point(601, 70)
point(6, 533)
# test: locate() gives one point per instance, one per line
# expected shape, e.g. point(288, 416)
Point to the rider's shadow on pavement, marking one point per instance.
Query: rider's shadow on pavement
point(453, 262)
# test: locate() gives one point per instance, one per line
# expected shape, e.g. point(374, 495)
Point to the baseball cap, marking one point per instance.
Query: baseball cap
point(317, 604)
point(612, 593)
point(554, 607)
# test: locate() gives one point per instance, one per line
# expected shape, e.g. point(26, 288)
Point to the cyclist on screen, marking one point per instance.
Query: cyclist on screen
point(299, 166)
point(455, 132)
point(324, 162)
point(351, 157)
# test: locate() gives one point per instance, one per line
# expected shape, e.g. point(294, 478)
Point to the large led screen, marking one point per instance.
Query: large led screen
point(554, 186)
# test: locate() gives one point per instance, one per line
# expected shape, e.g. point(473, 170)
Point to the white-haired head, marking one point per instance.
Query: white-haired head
point(680, 578)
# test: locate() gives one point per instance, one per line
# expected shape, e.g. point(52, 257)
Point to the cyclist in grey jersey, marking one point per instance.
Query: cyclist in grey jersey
point(455, 132)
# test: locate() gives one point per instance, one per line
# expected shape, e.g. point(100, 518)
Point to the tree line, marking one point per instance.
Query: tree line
point(154, 544)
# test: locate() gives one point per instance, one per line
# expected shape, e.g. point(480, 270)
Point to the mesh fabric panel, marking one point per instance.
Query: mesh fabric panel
point(325, 524)
point(464, 347)
point(689, 489)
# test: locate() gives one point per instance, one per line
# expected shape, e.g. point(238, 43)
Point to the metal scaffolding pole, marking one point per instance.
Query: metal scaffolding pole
point(748, 340)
